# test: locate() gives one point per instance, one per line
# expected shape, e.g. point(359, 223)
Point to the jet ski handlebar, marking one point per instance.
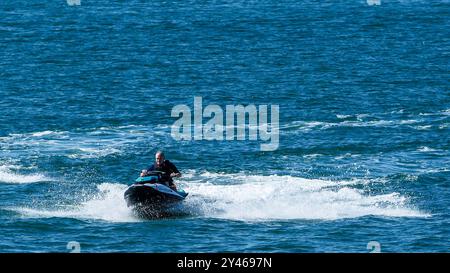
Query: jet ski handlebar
point(155, 172)
point(159, 174)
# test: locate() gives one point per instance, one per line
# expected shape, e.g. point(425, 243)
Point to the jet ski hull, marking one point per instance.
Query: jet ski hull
point(152, 200)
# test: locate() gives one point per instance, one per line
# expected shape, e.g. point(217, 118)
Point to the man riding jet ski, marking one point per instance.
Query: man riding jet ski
point(154, 191)
point(165, 166)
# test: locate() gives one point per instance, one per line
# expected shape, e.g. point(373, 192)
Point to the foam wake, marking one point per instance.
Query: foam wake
point(107, 205)
point(9, 174)
point(249, 197)
point(245, 197)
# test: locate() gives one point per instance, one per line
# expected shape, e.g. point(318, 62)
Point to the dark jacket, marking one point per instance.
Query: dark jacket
point(167, 167)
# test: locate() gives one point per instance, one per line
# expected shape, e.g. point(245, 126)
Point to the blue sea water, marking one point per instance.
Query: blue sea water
point(86, 94)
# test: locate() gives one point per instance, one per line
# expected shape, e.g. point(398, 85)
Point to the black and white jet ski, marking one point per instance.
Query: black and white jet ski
point(150, 197)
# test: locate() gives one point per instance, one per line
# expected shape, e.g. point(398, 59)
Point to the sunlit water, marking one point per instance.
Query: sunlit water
point(86, 93)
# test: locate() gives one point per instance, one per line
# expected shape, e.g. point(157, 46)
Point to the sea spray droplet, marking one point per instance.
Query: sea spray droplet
point(107, 204)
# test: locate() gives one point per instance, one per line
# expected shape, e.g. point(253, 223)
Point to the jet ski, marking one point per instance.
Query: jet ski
point(150, 197)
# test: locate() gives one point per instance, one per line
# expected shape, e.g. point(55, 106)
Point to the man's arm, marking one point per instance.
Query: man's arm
point(175, 172)
point(149, 169)
point(172, 185)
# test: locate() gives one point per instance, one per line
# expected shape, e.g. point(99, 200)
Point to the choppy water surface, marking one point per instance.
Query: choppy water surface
point(86, 94)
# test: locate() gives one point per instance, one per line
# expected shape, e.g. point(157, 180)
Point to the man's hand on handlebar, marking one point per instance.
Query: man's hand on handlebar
point(143, 173)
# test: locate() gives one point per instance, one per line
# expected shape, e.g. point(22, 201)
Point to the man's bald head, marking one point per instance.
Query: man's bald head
point(159, 158)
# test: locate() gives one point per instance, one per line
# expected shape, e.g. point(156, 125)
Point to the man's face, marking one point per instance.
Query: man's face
point(159, 159)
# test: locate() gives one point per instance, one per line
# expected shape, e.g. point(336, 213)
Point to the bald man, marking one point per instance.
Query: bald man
point(163, 165)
